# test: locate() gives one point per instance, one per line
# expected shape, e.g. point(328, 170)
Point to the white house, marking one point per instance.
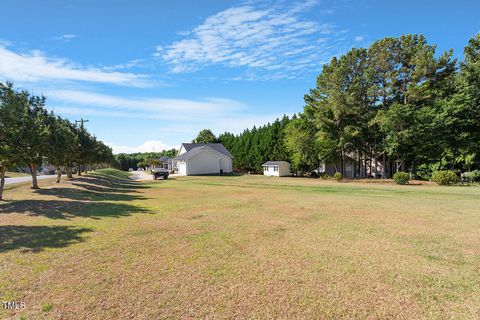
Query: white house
point(276, 168)
point(203, 158)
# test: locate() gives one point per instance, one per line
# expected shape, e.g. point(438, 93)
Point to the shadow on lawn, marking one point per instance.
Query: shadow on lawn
point(37, 238)
point(96, 196)
point(63, 209)
point(101, 194)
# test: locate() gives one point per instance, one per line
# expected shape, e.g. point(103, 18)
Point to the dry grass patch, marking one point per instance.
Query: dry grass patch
point(240, 247)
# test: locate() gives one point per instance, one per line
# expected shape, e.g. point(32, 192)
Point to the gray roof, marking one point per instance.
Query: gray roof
point(215, 146)
point(165, 159)
point(197, 149)
point(274, 163)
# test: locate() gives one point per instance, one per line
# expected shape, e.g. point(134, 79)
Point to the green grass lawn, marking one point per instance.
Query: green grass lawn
point(106, 247)
point(16, 174)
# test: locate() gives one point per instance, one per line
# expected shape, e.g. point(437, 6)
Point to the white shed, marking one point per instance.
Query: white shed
point(276, 168)
point(203, 158)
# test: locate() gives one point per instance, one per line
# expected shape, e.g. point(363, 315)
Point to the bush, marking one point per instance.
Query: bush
point(401, 177)
point(314, 174)
point(338, 176)
point(324, 176)
point(472, 176)
point(445, 177)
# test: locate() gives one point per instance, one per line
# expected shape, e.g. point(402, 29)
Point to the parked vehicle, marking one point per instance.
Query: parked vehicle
point(160, 172)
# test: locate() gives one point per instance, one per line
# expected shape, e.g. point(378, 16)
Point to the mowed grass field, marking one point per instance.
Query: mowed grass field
point(105, 247)
point(16, 174)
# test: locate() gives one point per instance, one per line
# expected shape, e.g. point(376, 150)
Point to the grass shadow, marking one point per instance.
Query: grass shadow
point(37, 238)
point(91, 194)
point(63, 209)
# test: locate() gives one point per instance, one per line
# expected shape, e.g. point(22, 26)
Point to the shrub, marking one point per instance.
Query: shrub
point(314, 174)
point(324, 176)
point(445, 177)
point(401, 177)
point(338, 176)
point(472, 176)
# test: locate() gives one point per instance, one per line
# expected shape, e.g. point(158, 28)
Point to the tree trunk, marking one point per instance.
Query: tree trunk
point(365, 164)
point(79, 170)
point(33, 172)
point(2, 181)
point(68, 168)
point(370, 163)
point(384, 164)
point(59, 174)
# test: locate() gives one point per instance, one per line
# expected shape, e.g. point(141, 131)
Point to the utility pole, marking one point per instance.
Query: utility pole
point(81, 121)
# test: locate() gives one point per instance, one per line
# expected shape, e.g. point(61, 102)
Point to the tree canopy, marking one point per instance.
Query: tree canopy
point(205, 136)
point(31, 136)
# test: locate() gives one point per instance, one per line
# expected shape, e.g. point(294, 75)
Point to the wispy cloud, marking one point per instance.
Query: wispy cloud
point(276, 40)
point(36, 66)
point(66, 37)
point(147, 146)
point(178, 116)
point(148, 107)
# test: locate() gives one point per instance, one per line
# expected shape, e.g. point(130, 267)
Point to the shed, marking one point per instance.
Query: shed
point(276, 168)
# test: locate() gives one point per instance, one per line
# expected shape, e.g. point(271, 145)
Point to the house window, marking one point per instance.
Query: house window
point(265, 168)
point(275, 168)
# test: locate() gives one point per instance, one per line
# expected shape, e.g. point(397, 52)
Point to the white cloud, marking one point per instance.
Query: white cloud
point(179, 118)
point(359, 38)
point(147, 146)
point(163, 108)
point(36, 67)
point(268, 39)
point(66, 37)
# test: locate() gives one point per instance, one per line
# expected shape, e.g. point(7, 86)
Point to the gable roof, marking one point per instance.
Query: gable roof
point(194, 151)
point(274, 163)
point(165, 159)
point(215, 146)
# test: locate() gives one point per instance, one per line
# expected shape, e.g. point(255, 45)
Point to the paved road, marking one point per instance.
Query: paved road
point(26, 179)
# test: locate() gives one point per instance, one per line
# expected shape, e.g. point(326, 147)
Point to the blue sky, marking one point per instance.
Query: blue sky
point(150, 74)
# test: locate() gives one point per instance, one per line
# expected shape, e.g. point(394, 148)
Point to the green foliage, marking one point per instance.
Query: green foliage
point(401, 177)
point(255, 146)
point(124, 161)
point(338, 176)
point(400, 102)
point(471, 176)
point(445, 177)
point(29, 135)
point(301, 143)
point(205, 136)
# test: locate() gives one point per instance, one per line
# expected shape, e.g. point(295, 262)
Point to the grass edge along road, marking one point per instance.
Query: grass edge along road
point(104, 246)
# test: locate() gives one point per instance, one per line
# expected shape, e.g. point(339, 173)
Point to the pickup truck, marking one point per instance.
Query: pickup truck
point(160, 172)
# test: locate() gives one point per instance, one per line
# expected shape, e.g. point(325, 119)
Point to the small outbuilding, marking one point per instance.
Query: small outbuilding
point(276, 168)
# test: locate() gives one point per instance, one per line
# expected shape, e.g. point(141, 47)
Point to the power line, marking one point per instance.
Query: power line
point(81, 121)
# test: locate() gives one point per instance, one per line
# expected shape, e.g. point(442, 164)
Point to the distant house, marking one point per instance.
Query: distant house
point(166, 163)
point(203, 158)
point(276, 168)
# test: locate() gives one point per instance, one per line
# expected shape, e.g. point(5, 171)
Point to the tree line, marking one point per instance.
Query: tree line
point(398, 104)
point(398, 101)
point(126, 161)
point(31, 136)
